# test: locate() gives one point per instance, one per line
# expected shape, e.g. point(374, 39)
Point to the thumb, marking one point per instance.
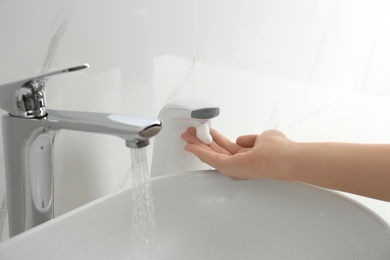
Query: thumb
point(247, 140)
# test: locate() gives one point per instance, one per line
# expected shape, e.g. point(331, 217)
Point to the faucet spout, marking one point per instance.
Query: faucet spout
point(28, 151)
point(133, 129)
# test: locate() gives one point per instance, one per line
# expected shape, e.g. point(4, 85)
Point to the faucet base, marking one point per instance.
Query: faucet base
point(28, 151)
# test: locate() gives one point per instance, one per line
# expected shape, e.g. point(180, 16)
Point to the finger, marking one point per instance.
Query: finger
point(247, 140)
point(223, 142)
point(228, 165)
point(237, 179)
point(192, 130)
point(190, 137)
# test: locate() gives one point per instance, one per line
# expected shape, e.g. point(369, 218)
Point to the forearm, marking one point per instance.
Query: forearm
point(362, 169)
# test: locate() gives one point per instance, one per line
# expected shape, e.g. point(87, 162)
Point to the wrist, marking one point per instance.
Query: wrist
point(288, 160)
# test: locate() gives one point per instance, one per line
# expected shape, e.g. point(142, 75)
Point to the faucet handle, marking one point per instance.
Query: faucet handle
point(26, 98)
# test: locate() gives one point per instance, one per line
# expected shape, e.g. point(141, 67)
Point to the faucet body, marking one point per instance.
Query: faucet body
point(169, 156)
point(28, 150)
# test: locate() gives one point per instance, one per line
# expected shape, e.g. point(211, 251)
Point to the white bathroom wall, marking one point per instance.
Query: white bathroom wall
point(281, 60)
point(267, 64)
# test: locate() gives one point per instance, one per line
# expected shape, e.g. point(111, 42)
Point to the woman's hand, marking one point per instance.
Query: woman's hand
point(252, 156)
point(362, 169)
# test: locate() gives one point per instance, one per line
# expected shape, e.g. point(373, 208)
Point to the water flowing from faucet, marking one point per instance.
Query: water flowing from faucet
point(144, 222)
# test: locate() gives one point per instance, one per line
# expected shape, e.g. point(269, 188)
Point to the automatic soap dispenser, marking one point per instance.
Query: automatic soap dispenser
point(169, 156)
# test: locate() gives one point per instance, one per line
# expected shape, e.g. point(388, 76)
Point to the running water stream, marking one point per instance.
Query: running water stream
point(143, 209)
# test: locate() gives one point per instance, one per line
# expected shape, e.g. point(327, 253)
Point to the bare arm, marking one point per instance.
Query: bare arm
point(362, 169)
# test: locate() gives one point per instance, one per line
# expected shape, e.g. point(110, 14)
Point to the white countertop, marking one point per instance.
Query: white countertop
point(355, 118)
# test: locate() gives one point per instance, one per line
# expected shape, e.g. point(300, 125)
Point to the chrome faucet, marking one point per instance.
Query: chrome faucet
point(29, 131)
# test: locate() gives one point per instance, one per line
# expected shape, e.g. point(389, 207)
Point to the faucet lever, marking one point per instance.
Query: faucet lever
point(26, 98)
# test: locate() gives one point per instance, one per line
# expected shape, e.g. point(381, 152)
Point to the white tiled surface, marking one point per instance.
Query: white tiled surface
point(267, 64)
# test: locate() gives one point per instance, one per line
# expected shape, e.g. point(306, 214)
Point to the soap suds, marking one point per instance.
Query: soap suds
point(203, 133)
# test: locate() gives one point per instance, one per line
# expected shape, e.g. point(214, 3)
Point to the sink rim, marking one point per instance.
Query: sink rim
point(205, 174)
point(331, 192)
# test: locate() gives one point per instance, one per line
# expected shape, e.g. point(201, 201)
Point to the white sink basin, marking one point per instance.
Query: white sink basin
point(205, 215)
